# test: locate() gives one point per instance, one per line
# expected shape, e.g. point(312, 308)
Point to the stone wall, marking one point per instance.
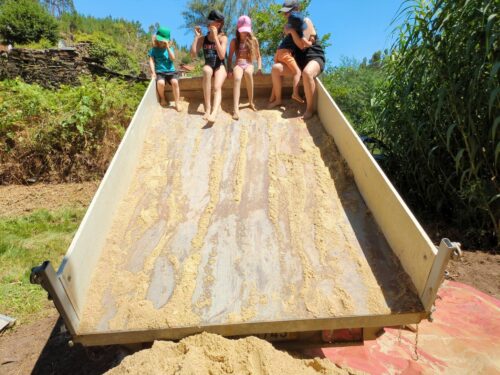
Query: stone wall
point(54, 67)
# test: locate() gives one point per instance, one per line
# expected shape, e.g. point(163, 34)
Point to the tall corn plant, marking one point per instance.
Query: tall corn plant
point(439, 112)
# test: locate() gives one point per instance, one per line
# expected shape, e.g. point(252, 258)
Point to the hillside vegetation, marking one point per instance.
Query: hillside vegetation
point(438, 112)
point(433, 100)
point(63, 135)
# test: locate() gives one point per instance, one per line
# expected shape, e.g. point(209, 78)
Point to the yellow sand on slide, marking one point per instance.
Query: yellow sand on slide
point(243, 222)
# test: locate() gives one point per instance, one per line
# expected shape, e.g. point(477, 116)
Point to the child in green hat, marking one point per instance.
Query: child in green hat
point(161, 62)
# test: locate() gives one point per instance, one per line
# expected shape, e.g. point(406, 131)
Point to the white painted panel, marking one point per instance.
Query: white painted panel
point(76, 268)
point(405, 235)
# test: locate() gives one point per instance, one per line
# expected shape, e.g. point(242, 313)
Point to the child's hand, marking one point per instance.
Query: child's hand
point(214, 31)
point(197, 31)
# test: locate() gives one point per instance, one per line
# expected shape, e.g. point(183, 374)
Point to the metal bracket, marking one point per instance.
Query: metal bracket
point(45, 276)
point(446, 250)
point(457, 250)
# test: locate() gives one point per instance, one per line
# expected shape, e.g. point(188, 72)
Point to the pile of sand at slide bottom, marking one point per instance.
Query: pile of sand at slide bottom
point(212, 354)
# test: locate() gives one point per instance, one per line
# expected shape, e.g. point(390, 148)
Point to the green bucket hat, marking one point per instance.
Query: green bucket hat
point(163, 34)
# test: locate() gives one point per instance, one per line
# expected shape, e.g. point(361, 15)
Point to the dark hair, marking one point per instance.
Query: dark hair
point(220, 30)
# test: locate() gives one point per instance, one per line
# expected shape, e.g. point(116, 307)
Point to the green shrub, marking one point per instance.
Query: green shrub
point(353, 87)
point(121, 45)
point(41, 44)
point(440, 112)
point(110, 54)
point(64, 135)
point(26, 21)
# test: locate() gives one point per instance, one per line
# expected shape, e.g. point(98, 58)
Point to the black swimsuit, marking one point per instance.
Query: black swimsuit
point(211, 56)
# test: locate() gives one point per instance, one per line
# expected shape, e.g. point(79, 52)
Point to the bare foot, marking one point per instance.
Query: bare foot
point(211, 118)
point(206, 115)
point(298, 99)
point(274, 104)
point(236, 115)
point(308, 115)
point(178, 107)
point(163, 103)
point(272, 98)
point(252, 107)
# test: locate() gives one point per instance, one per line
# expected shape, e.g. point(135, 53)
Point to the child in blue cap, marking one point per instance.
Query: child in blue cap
point(161, 62)
point(285, 52)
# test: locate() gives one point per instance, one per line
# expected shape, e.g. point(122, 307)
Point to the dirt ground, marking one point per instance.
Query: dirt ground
point(478, 269)
point(42, 347)
point(21, 200)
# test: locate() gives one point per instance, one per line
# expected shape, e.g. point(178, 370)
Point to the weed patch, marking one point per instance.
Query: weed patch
point(26, 242)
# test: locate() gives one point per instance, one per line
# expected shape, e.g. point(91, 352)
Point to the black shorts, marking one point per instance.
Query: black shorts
point(168, 77)
point(303, 63)
point(313, 53)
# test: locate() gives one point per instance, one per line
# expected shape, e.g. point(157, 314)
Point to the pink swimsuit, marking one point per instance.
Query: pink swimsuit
point(241, 57)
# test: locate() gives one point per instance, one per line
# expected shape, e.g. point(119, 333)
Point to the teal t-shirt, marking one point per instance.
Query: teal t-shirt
point(163, 64)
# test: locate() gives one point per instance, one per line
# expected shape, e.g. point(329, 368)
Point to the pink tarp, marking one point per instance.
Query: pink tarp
point(463, 339)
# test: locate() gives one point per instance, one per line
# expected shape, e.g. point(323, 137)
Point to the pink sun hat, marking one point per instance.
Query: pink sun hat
point(244, 24)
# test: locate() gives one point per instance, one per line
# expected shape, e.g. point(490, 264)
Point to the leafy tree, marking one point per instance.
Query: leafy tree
point(197, 11)
point(58, 7)
point(121, 44)
point(122, 31)
point(269, 23)
point(26, 21)
point(354, 86)
point(110, 54)
point(376, 60)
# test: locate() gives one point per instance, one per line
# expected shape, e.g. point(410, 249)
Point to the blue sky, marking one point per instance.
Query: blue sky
point(358, 27)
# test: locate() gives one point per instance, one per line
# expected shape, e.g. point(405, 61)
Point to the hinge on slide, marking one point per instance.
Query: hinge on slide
point(36, 277)
point(45, 276)
point(446, 250)
point(456, 250)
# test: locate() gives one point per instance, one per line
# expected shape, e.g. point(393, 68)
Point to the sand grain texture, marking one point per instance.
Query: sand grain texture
point(211, 354)
point(250, 221)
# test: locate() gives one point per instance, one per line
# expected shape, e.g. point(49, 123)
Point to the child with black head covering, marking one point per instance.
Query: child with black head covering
point(214, 46)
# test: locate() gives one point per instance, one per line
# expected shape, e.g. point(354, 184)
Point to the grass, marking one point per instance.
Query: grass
point(26, 242)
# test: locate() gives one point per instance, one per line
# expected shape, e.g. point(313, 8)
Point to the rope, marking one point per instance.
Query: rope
point(415, 355)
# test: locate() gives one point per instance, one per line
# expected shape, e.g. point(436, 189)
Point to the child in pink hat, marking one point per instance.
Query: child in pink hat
point(246, 48)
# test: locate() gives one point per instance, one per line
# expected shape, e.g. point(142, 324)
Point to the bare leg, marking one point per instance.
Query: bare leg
point(220, 77)
point(207, 89)
point(249, 83)
point(278, 71)
point(160, 84)
point(275, 99)
point(296, 80)
point(311, 71)
point(237, 75)
point(176, 91)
